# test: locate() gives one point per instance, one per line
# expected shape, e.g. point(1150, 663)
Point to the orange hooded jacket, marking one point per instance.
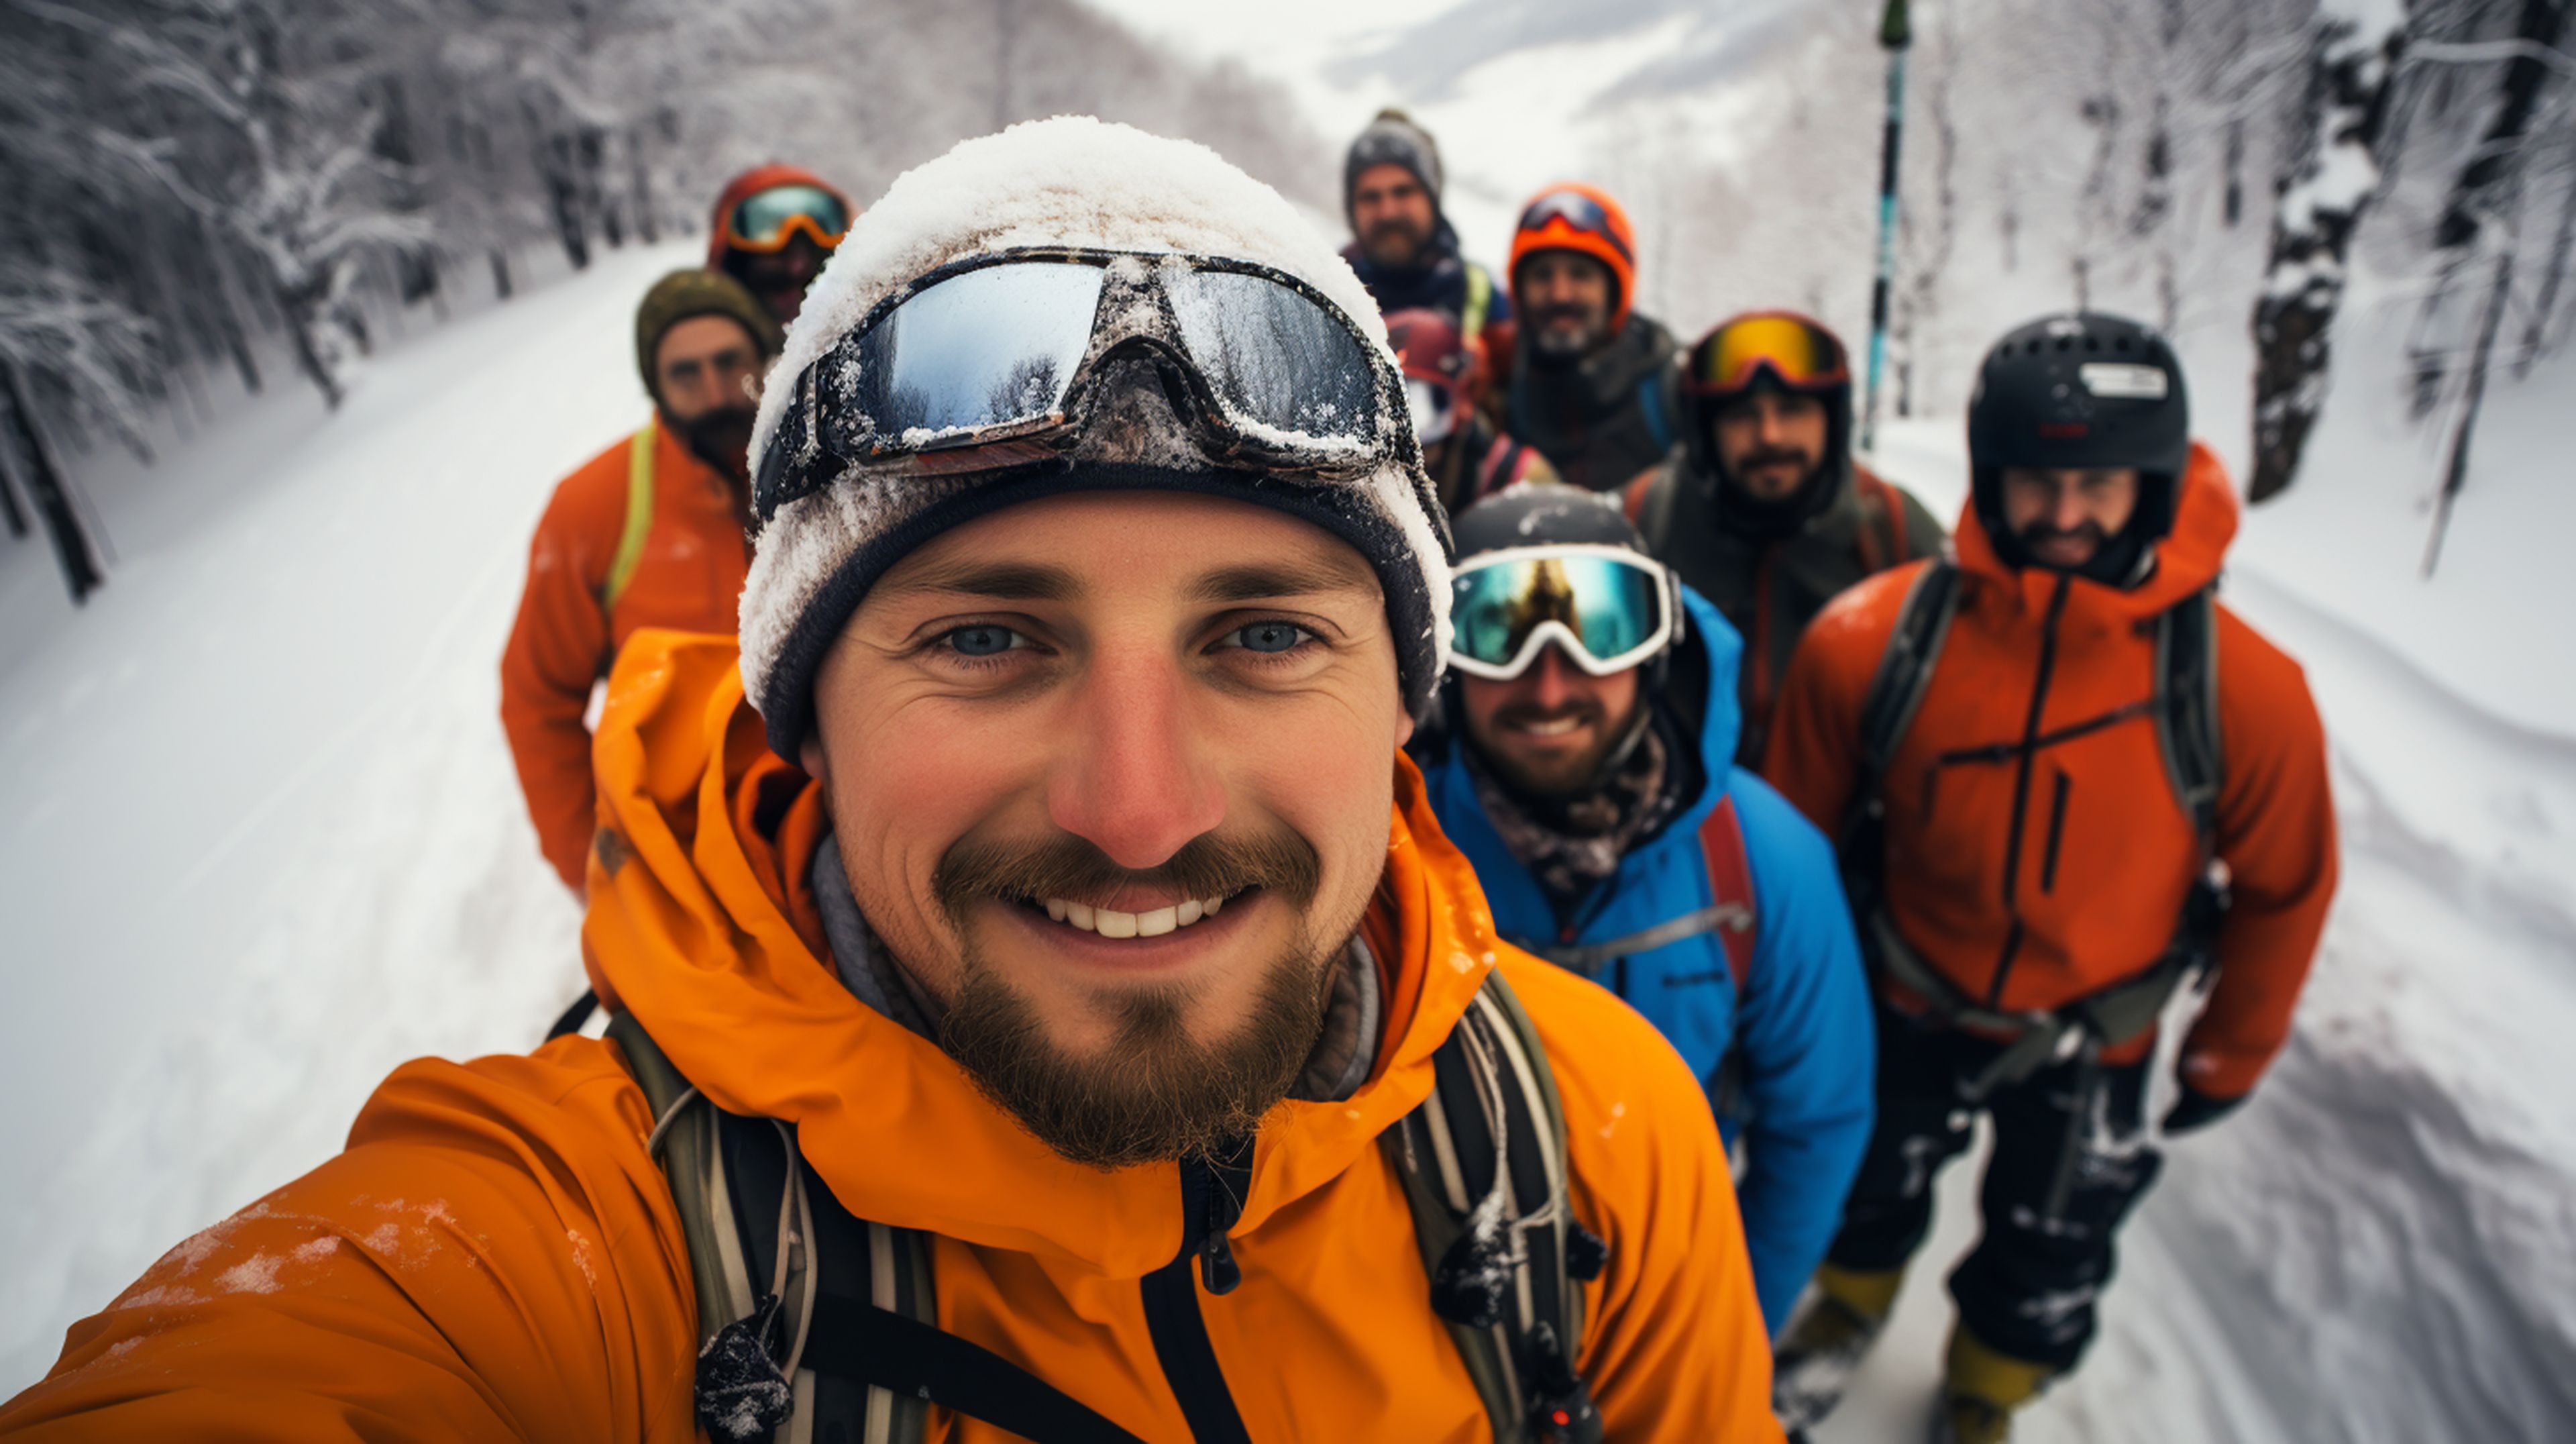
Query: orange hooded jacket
point(2032, 875)
point(496, 1257)
point(688, 577)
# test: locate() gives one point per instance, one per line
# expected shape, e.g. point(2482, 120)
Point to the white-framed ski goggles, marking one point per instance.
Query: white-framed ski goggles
point(1609, 608)
point(985, 362)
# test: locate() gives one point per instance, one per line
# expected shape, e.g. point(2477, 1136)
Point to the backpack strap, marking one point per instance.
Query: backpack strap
point(1905, 669)
point(1730, 883)
point(1480, 300)
point(1484, 1169)
point(1887, 547)
point(2187, 711)
point(1650, 401)
point(639, 515)
point(837, 1339)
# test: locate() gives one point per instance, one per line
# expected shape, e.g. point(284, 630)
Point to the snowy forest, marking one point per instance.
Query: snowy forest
point(307, 307)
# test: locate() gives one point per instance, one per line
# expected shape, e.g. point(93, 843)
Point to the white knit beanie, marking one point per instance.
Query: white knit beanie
point(1075, 182)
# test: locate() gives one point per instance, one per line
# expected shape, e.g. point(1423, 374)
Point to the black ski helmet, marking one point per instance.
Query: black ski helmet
point(1710, 385)
point(2082, 390)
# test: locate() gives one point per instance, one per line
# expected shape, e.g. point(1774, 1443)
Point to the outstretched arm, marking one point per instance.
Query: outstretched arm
point(493, 1257)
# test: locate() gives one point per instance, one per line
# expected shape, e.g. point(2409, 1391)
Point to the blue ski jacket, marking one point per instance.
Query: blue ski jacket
point(1802, 1028)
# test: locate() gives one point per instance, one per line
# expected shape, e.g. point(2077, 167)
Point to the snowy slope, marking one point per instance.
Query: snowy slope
point(259, 831)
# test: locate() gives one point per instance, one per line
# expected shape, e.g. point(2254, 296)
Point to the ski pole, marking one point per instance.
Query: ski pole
point(1895, 33)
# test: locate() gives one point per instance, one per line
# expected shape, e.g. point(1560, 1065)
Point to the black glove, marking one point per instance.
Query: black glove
point(2196, 1110)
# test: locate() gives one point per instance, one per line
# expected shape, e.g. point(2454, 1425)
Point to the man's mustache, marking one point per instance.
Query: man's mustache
point(1522, 714)
point(1775, 456)
point(1073, 868)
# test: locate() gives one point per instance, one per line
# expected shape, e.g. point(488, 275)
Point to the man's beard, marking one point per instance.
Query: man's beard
point(2037, 533)
point(1562, 346)
point(721, 438)
point(1807, 468)
point(1154, 1093)
point(1577, 778)
point(1395, 244)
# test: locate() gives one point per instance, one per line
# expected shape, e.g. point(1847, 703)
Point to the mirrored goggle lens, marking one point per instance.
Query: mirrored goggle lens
point(1288, 373)
point(762, 219)
point(981, 350)
point(1798, 353)
point(1614, 609)
point(1434, 416)
point(1577, 210)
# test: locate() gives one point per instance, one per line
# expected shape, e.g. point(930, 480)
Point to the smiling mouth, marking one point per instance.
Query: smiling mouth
point(1546, 726)
point(1111, 923)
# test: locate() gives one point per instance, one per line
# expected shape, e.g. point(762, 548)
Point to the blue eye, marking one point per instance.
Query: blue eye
point(1270, 637)
point(982, 641)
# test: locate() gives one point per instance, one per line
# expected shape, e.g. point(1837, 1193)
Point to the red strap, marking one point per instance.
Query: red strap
point(1632, 497)
point(1730, 878)
point(1891, 516)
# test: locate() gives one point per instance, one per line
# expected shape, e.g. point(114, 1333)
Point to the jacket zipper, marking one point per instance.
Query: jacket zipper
point(2056, 832)
point(2028, 757)
point(1172, 1314)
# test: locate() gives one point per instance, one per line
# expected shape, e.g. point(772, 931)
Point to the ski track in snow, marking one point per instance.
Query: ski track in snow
point(262, 849)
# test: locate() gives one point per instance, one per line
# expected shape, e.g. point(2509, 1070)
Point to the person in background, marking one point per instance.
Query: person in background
point(1403, 249)
point(773, 228)
point(1585, 764)
point(1763, 509)
point(649, 533)
point(1591, 379)
point(2069, 783)
point(1466, 456)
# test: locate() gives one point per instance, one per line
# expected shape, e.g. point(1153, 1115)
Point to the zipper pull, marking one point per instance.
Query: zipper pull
point(1221, 1183)
point(1218, 1271)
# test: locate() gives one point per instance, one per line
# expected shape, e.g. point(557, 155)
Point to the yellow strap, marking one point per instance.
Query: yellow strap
point(1480, 296)
point(639, 516)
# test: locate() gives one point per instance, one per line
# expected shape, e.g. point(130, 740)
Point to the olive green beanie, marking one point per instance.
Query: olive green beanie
point(693, 292)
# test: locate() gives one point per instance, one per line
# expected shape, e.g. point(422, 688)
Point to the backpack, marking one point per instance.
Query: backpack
point(639, 516)
point(833, 1338)
point(2184, 708)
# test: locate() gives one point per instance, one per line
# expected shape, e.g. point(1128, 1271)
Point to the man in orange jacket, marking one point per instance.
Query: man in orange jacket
point(2067, 782)
point(649, 533)
point(1043, 862)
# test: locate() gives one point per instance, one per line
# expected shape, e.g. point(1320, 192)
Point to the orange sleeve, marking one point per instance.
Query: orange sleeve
point(2276, 832)
point(494, 1257)
point(1813, 754)
point(558, 648)
point(1673, 1346)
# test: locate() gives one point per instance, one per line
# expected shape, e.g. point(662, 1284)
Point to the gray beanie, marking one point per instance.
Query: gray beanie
point(1073, 182)
point(1393, 139)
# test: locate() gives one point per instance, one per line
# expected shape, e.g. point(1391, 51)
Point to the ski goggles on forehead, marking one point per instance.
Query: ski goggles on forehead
point(985, 363)
point(1797, 351)
point(768, 220)
point(1609, 608)
point(1579, 212)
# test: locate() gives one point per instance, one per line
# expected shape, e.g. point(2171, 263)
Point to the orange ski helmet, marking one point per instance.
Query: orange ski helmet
point(1572, 216)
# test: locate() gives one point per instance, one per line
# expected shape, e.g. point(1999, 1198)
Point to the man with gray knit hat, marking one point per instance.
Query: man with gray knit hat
point(1043, 1003)
point(1402, 246)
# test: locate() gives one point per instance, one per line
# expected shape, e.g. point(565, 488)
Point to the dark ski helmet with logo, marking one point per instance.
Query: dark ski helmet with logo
point(2090, 391)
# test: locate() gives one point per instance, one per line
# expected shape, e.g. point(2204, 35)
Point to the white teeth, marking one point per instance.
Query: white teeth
point(1554, 727)
point(1110, 923)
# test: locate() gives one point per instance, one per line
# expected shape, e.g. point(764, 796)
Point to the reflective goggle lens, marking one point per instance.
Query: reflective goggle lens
point(1577, 210)
point(761, 219)
point(995, 349)
point(1433, 415)
point(1613, 608)
point(1796, 351)
point(1274, 358)
point(980, 350)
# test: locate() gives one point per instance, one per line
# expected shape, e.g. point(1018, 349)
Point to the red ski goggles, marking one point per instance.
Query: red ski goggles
point(767, 220)
point(1580, 213)
point(1799, 354)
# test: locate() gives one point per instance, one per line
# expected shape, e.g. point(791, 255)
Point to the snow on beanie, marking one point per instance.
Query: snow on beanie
point(692, 292)
point(1075, 182)
point(1393, 139)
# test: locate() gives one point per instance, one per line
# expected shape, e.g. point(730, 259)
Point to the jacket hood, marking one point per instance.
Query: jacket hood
point(2187, 558)
point(702, 926)
point(1721, 718)
point(751, 183)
